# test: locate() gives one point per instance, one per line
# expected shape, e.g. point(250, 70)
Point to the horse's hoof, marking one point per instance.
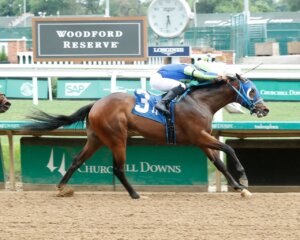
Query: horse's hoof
point(65, 192)
point(135, 196)
point(245, 193)
point(244, 182)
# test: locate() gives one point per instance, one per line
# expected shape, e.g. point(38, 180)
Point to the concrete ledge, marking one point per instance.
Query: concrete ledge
point(167, 188)
point(52, 187)
point(118, 188)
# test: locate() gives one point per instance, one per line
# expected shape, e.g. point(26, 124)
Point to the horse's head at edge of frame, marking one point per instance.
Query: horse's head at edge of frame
point(248, 96)
point(4, 103)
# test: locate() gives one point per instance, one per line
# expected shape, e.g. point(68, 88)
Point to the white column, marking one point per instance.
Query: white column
point(219, 118)
point(50, 89)
point(107, 11)
point(143, 83)
point(113, 82)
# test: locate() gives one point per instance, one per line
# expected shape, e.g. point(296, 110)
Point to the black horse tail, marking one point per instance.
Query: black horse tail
point(45, 121)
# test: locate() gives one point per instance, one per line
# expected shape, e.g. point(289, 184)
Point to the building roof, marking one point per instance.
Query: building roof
point(224, 19)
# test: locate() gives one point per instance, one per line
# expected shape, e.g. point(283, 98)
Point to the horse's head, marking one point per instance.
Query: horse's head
point(4, 103)
point(248, 96)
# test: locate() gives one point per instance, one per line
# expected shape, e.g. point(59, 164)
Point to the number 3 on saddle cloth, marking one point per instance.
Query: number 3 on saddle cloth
point(145, 107)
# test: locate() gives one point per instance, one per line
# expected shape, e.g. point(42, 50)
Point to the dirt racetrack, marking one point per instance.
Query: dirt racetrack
point(107, 215)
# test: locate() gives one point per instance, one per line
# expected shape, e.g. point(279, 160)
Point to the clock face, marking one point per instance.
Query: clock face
point(168, 18)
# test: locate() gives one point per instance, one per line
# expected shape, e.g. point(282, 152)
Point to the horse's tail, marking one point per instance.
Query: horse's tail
point(45, 121)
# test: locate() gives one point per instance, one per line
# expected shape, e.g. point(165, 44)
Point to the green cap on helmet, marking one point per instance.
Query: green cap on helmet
point(208, 58)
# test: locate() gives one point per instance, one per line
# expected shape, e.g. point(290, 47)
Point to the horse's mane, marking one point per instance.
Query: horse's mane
point(206, 85)
point(201, 86)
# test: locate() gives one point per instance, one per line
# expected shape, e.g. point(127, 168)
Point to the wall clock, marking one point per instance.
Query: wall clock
point(169, 18)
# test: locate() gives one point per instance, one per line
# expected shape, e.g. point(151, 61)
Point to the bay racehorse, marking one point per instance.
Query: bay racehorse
point(110, 122)
point(4, 103)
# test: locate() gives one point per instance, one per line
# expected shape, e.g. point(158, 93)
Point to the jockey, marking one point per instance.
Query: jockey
point(172, 78)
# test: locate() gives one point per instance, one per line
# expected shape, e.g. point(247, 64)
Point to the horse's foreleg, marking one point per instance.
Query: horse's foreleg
point(89, 149)
point(213, 143)
point(213, 156)
point(240, 169)
point(119, 153)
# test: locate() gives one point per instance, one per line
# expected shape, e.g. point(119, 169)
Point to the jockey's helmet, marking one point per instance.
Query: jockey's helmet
point(208, 58)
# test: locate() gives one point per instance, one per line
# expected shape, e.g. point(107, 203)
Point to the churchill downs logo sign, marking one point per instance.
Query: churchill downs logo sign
point(143, 167)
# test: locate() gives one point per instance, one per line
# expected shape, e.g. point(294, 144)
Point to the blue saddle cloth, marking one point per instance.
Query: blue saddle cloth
point(145, 107)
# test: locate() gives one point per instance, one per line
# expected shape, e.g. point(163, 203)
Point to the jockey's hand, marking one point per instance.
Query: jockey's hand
point(222, 78)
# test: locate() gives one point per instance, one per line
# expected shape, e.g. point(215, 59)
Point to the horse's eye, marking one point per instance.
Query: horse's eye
point(251, 93)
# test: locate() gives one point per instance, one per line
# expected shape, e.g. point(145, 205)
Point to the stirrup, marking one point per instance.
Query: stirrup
point(162, 107)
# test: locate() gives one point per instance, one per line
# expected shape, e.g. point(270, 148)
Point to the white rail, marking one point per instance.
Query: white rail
point(27, 58)
point(34, 71)
point(112, 72)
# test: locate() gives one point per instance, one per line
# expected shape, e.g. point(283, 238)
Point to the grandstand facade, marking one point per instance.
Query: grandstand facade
point(221, 32)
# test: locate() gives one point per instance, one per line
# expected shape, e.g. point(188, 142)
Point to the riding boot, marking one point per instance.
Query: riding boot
point(167, 98)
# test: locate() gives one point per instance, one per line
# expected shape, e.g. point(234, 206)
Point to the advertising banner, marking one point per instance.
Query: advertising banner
point(23, 88)
point(2, 179)
point(46, 160)
point(80, 39)
point(3, 85)
point(171, 51)
point(93, 88)
point(278, 90)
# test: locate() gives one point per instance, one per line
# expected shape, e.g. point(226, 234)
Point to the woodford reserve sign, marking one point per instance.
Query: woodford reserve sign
point(83, 39)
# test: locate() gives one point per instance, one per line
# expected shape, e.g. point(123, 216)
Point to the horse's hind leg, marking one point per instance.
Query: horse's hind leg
point(91, 146)
point(119, 153)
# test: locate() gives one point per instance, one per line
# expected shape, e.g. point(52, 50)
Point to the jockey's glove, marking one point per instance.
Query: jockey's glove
point(222, 78)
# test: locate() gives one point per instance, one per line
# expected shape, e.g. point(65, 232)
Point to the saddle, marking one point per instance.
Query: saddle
point(145, 107)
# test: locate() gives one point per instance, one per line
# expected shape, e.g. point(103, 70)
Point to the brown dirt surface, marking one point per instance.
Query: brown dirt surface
point(159, 216)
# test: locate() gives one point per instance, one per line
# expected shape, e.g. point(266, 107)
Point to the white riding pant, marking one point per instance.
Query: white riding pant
point(157, 82)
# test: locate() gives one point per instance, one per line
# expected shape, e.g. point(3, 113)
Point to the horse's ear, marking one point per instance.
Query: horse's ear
point(231, 78)
point(239, 77)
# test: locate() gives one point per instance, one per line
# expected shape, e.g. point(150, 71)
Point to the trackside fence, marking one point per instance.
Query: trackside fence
point(44, 159)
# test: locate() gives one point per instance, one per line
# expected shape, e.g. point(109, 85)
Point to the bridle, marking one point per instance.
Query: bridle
point(242, 97)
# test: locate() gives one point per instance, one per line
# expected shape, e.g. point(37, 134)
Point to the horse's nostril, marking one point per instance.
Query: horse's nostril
point(7, 104)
